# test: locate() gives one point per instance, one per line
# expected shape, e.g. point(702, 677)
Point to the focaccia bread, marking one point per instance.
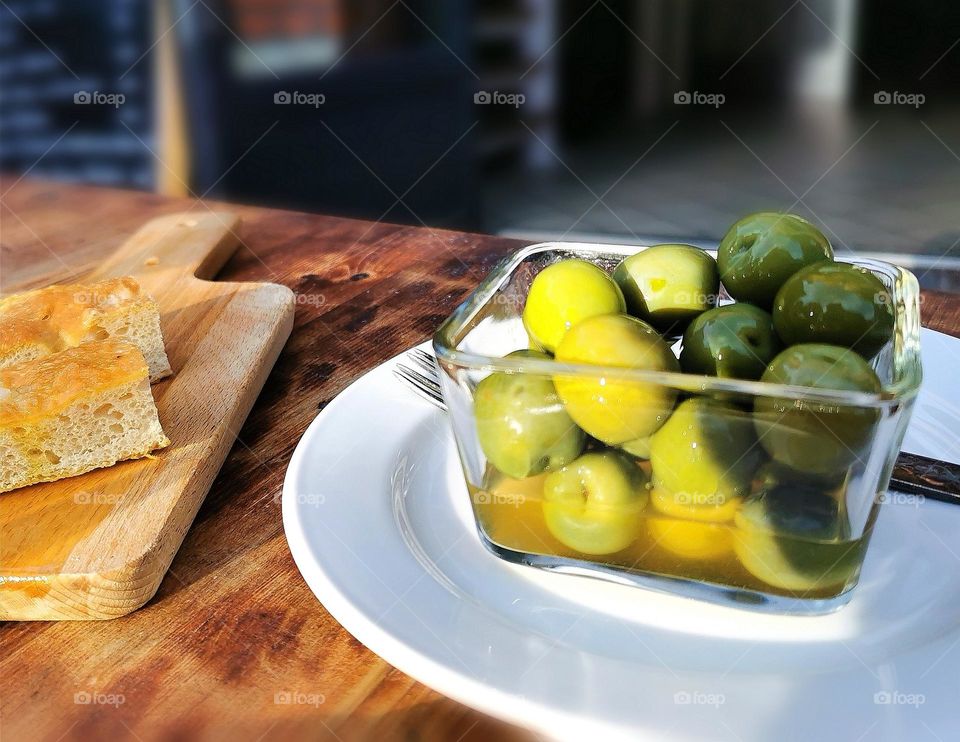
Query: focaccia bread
point(73, 411)
point(37, 323)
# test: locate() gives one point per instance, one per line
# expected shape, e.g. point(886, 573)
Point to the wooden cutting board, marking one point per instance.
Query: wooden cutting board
point(98, 545)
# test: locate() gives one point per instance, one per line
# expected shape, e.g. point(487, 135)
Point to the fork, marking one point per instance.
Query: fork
point(423, 378)
point(912, 474)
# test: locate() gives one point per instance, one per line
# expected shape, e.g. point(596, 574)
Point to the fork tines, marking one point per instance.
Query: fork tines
point(425, 385)
point(424, 360)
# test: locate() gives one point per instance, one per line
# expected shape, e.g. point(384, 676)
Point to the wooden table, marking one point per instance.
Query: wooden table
point(233, 623)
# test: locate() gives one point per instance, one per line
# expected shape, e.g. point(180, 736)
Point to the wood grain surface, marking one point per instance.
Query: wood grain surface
point(233, 624)
point(98, 545)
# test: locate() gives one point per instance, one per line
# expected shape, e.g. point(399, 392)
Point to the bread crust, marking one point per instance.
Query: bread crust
point(39, 323)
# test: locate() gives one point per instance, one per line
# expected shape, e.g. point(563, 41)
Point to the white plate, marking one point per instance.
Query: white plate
point(378, 521)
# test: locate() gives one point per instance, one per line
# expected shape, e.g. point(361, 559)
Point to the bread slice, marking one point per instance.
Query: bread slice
point(37, 323)
point(73, 411)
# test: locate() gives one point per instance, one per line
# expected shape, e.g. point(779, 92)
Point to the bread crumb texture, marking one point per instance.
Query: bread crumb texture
point(77, 410)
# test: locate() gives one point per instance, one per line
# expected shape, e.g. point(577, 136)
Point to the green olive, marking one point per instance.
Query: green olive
point(795, 537)
point(735, 341)
point(773, 474)
point(703, 460)
point(639, 447)
point(690, 539)
point(810, 436)
point(563, 294)
point(835, 303)
point(761, 251)
point(668, 285)
point(522, 425)
point(594, 504)
point(616, 410)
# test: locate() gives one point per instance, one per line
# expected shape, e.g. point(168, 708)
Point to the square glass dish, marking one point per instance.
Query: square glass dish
point(735, 526)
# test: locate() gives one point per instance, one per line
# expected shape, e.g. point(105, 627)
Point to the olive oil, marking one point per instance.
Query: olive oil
point(510, 513)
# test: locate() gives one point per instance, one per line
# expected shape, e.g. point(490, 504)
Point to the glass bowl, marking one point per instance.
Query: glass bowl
point(740, 527)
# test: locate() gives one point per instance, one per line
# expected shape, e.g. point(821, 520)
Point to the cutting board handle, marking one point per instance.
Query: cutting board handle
point(170, 247)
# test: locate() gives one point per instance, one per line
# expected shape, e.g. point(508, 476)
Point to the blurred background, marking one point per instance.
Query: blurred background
point(594, 120)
